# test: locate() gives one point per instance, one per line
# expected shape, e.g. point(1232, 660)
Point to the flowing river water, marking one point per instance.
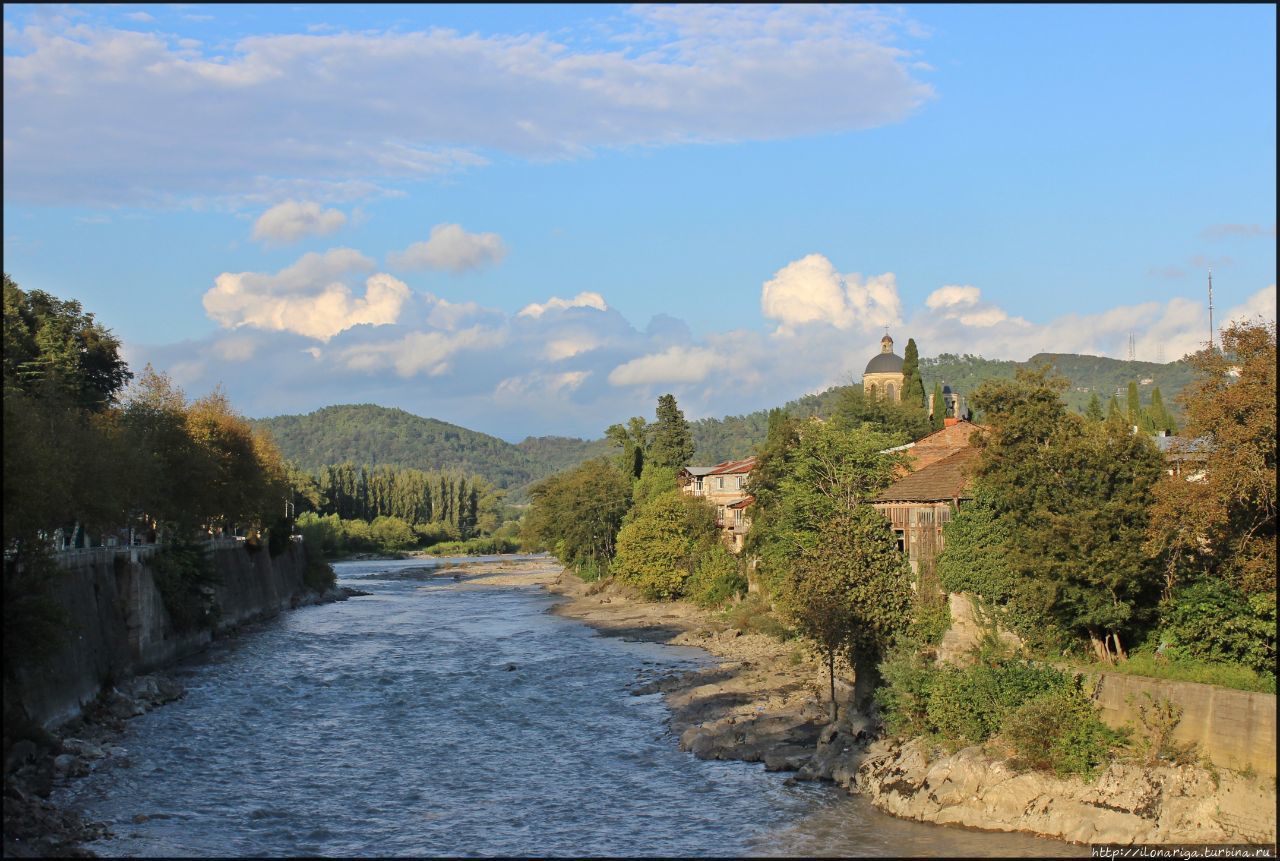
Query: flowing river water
point(438, 719)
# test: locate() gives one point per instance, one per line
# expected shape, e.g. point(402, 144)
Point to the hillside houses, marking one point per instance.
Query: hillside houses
point(724, 486)
point(937, 482)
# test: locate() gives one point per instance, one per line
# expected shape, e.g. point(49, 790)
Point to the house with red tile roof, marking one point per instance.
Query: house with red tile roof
point(724, 486)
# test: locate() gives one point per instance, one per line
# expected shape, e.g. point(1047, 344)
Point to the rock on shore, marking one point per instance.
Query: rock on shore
point(34, 827)
point(1126, 804)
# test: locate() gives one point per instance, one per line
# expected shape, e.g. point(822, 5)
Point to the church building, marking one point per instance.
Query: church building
point(883, 376)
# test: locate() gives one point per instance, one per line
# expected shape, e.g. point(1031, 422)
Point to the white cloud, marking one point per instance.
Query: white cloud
point(811, 291)
point(555, 303)
point(953, 295)
point(451, 248)
point(309, 297)
point(963, 302)
point(102, 115)
point(293, 219)
point(567, 348)
point(675, 365)
point(141, 17)
point(539, 385)
point(429, 353)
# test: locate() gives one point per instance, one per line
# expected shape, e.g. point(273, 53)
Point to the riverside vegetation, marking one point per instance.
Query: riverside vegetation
point(1077, 540)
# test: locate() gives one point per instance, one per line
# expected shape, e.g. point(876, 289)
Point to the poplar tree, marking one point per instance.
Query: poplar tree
point(939, 408)
point(1134, 403)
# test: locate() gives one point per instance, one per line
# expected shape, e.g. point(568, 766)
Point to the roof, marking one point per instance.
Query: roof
point(1183, 448)
point(948, 478)
point(741, 503)
point(884, 363)
point(729, 467)
point(698, 471)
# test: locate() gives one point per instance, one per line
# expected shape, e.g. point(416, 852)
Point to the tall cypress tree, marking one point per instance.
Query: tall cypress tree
point(672, 436)
point(1134, 403)
point(1094, 410)
point(1113, 409)
point(939, 408)
point(912, 384)
point(1159, 414)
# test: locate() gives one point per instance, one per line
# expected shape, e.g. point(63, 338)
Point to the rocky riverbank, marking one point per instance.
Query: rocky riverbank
point(762, 703)
point(33, 826)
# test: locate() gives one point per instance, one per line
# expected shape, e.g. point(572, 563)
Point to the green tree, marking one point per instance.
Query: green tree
point(1160, 415)
point(52, 345)
point(853, 408)
point(832, 559)
point(1113, 409)
point(632, 440)
point(912, 384)
point(577, 513)
point(658, 550)
point(1133, 404)
point(1074, 495)
point(938, 417)
point(672, 445)
point(848, 588)
point(1094, 410)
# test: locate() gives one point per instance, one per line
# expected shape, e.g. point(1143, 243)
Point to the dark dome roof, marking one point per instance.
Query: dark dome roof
point(884, 363)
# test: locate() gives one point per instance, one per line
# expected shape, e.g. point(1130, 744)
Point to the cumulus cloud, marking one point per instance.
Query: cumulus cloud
point(676, 365)
point(96, 114)
point(294, 219)
point(452, 249)
point(311, 297)
point(555, 303)
point(963, 302)
point(810, 290)
point(429, 353)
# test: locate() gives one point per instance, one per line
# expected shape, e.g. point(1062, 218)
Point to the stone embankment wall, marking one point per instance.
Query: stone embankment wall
point(118, 625)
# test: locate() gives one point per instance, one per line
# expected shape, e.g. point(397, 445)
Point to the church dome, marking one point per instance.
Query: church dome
point(884, 363)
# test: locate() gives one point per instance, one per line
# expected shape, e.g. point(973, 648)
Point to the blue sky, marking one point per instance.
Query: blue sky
point(536, 219)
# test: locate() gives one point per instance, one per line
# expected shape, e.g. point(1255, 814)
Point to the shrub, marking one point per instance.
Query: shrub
point(971, 705)
point(657, 550)
point(1059, 731)
point(717, 578)
point(392, 533)
point(1209, 620)
point(753, 615)
point(184, 576)
point(904, 697)
point(1157, 719)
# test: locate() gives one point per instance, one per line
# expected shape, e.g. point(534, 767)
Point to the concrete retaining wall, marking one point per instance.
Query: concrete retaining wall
point(1235, 729)
point(119, 626)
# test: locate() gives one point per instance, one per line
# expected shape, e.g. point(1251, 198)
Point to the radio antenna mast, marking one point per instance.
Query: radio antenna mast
point(1210, 310)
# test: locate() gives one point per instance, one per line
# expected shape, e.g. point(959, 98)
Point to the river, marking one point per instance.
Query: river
point(433, 719)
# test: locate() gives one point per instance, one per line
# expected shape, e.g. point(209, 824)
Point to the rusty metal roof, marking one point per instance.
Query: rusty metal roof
point(949, 478)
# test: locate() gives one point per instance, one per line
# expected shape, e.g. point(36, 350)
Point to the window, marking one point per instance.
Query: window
point(720, 483)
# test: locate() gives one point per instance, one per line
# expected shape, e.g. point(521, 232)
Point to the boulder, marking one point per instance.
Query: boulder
point(19, 754)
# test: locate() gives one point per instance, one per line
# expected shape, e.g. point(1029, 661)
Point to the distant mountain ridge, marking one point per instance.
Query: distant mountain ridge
point(373, 435)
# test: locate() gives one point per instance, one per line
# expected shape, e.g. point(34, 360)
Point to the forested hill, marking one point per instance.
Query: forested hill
point(374, 435)
point(1088, 374)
